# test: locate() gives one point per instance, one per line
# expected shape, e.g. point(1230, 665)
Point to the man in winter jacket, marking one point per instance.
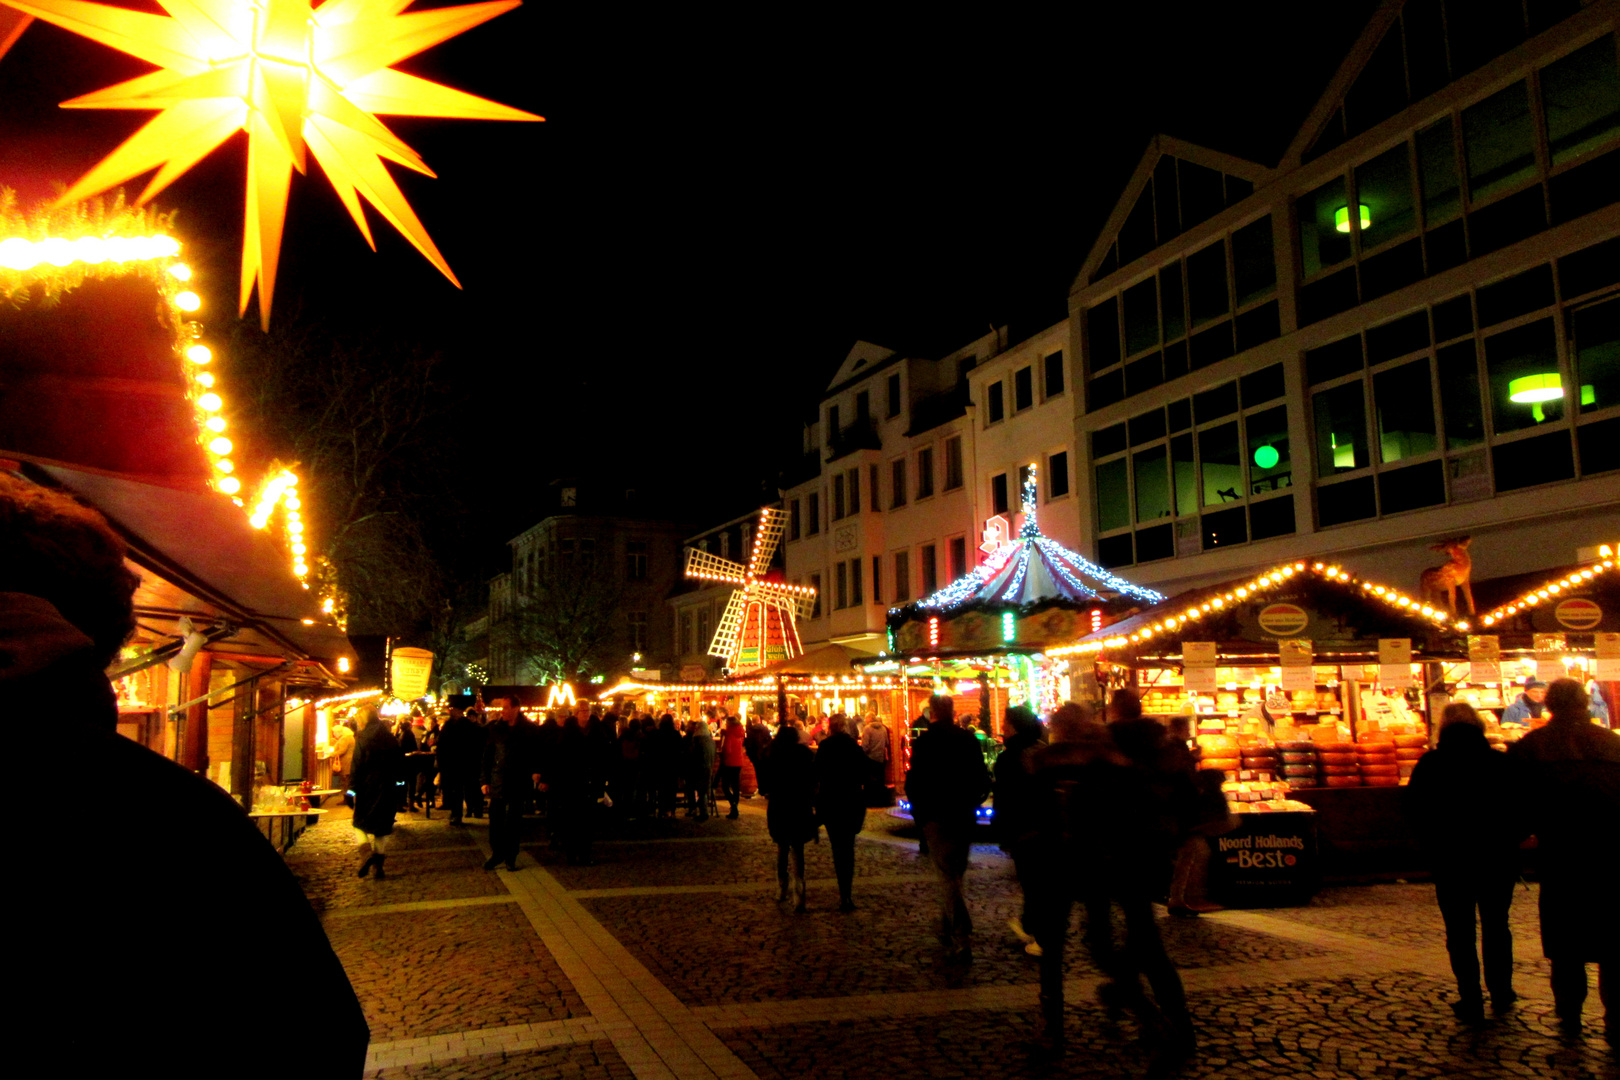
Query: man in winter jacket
point(510, 767)
point(1527, 706)
point(106, 980)
point(946, 784)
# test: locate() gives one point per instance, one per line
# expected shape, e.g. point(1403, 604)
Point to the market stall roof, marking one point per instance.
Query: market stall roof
point(1316, 601)
point(1579, 599)
point(202, 543)
point(830, 659)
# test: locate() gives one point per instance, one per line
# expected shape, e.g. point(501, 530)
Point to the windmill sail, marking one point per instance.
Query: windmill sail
point(757, 627)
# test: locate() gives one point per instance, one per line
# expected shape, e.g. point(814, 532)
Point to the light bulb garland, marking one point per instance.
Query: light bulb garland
point(1547, 593)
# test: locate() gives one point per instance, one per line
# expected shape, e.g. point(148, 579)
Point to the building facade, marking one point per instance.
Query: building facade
point(1407, 330)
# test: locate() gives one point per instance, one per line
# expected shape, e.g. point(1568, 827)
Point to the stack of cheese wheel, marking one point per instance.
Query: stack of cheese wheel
point(1298, 763)
point(1262, 758)
point(1408, 748)
point(1375, 755)
point(1339, 765)
point(1219, 752)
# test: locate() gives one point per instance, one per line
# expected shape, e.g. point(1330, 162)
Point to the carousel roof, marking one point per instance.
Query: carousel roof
point(1033, 569)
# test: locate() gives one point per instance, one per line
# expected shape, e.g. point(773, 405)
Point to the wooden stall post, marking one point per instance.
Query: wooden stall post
point(244, 721)
point(194, 738)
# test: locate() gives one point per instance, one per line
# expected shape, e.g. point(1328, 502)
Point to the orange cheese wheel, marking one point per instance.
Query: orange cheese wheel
point(1380, 770)
point(1377, 759)
point(1225, 764)
point(1299, 770)
point(1405, 768)
point(1341, 770)
point(1338, 759)
point(1381, 781)
point(1375, 748)
point(1294, 757)
point(1336, 747)
point(1411, 740)
point(1341, 781)
point(1297, 745)
point(1212, 743)
point(1405, 754)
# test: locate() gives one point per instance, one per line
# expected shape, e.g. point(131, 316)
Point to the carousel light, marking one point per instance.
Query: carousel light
point(220, 446)
point(199, 354)
point(230, 485)
point(215, 424)
point(210, 402)
point(205, 380)
point(224, 465)
point(187, 301)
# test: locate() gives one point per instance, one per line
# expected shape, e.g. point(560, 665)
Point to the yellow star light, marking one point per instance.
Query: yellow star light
point(291, 76)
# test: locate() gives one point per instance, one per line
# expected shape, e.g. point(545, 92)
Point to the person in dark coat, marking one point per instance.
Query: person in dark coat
point(573, 783)
point(667, 764)
point(841, 771)
point(1572, 772)
point(700, 755)
point(473, 762)
point(946, 784)
point(510, 768)
point(790, 813)
point(105, 981)
point(1018, 810)
point(379, 768)
point(1463, 804)
point(455, 739)
point(758, 744)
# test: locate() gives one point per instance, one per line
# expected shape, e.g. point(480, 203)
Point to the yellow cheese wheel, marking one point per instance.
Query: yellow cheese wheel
point(1341, 770)
point(1411, 740)
point(1382, 759)
point(1217, 742)
point(1380, 770)
point(1381, 781)
point(1225, 764)
point(1409, 754)
point(1341, 781)
point(1338, 759)
point(1375, 746)
point(1297, 745)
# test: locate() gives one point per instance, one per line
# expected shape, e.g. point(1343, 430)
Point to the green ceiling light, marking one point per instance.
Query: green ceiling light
point(1344, 457)
point(1341, 217)
point(1267, 456)
point(1588, 395)
point(1532, 390)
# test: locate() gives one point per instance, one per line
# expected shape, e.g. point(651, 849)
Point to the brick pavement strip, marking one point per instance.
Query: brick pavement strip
point(593, 1060)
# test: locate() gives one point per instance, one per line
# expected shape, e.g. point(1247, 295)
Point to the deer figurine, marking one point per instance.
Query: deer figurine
point(1449, 578)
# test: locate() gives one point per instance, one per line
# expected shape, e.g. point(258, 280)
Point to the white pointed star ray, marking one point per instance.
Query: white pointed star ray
point(291, 76)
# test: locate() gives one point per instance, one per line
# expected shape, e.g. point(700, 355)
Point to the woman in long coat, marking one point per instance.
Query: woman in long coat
point(841, 771)
point(378, 766)
point(790, 813)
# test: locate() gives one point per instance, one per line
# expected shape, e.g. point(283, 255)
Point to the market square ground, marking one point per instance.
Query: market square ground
point(669, 960)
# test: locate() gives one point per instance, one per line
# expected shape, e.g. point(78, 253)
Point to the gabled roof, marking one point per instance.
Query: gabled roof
point(1338, 86)
point(1162, 146)
point(863, 356)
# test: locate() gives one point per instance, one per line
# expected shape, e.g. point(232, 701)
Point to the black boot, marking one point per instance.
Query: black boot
point(379, 859)
point(365, 867)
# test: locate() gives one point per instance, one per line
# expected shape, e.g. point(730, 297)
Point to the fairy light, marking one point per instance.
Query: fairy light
point(1009, 626)
point(1549, 590)
point(933, 631)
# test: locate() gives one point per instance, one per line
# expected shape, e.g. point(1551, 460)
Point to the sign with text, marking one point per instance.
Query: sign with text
point(1607, 667)
point(1198, 666)
point(1484, 658)
point(1283, 619)
point(1395, 663)
point(1549, 657)
point(410, 669)
point(1268, 859)
point(1296, 656)
point(1578, 614)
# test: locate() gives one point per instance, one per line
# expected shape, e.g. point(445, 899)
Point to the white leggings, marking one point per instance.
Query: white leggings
point(379, 844)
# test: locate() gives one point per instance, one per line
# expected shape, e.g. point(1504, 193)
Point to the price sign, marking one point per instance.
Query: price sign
point(1484, 658)
point(1198, 666)
point(1549, 661)
point(1608, 657)
point(1395, 663)
point(1296, 656)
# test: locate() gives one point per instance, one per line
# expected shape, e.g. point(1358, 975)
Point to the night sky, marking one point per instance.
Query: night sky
point(661, 277)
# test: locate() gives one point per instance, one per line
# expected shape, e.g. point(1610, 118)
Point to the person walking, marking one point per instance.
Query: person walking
point(733, 752)
point(700, 768)
point(1018, 816)
point(454, 743)
point(947, 783)
point(510, 766)
point(759, 742)
point(379, 765)
point(627, 786)
point(841, 771)
point(875, 742)
point(572, 780)
point(342, 757)
point(1572, 778)
point(472, 758)
point(1462, 802)
point(667, 768)
point(790, 815)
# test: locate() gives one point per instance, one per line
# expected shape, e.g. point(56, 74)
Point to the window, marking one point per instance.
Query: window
point(814, 506)
point(1403, 402)
point(1254, 268)
point(815, 583)
point(925, 473)
point(995, 403)
point(930, 571)
point(1322, 242)
point(894, 395)
point(1054, 374)
point(1595, 331)
point(565, 548)
point(855, 491)
point(998, 493)
point(636, 562)
point(838, 504)
point(793, 519)
point(636, 625)
point(725, 545)
point(1341, 430)
point(1023, 389)
point(832, 423)
point(701, 644)
point(1498, 142)
point(855, 597)
point(953, 463)
point(1057, 475)
point(1141, 317)
point(685, 632)
point(958, 550)
point(1580, 100)
point(1523, 381)
point(1437, 173)
point(863, 407)
point(877, 579)
point(897, 483)
point(840, 586)
point(902, 576)
point(873, 499)
point(1206, 284)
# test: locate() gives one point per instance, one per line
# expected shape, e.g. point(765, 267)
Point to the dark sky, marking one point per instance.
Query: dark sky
point(661, 277)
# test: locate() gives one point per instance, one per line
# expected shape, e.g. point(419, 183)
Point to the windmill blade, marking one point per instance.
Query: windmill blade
point(766, 538)
point(724, 644)
point(794, 598)
point(701, 564)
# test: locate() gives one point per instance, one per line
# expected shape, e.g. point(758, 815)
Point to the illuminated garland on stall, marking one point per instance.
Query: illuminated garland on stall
point(1551, 590)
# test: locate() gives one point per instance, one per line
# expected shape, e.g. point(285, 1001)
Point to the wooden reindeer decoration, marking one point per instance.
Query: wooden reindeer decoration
point(1446, 580)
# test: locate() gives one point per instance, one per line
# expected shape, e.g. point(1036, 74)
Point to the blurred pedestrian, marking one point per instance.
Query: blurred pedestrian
point(1018, 811)
point(379, 765)
point(510, 767)
point(572, 781)
point(875, 742)
point(759, 741)
point(700, 769)
point(627, 789)
point(841, 771)
point(455, 745)
point(733, 752)
point(790, 810)
point(947, 783)
point(667, 765)
point(1464, 804)
point(342, 757)
point(1572, 772)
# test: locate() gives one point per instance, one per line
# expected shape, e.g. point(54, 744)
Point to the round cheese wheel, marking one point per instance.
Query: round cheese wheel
point(1380, 770)
point(1406, 754)
point(1297, 745)
point(1299, 770)
point(1338, 759)
point(1381, 781)
point(1411, 740)
point(1341, 770)
point(1341, 781)
point(1224, 764)
point(1293, 757)
point(1380, 746)
point(1405, 768)
point(1382, 759)
point(1217, 742)
point(1336, 747)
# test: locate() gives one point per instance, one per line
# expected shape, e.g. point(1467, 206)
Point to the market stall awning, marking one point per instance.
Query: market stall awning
point(831, 659)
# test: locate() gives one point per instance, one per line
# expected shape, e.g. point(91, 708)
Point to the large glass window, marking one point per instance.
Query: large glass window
point(1113, 496)
point(1152, 483)
point(1341, 430)
point(902, 576)
point(897, 483)
point(1324, 227)
point(1175, 315)
point(995, 402)
point(1254, 270)
point(1223, 464)
point(1054, 374)
point(1269, 465)
point(1057, 475)
point(1141, 317)
point(1437, 168)
point(1102, 335)
point(1405, 407)
point(1459, 395)
point(1023, 389)
point(1521, 370)
point(1206, 281)
point(1580, 97)
point(1498, 141)
point(1185, 467)
point(1595, 331)
point(1384, 191)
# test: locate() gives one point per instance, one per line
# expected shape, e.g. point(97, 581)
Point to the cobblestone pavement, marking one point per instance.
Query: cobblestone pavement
point(670, 959)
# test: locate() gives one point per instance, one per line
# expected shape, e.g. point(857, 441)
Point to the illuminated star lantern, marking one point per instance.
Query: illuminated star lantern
point(294, 78)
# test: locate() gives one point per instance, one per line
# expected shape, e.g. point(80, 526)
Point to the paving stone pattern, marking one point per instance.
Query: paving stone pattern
point(431, 875)
point(735, 863)
point(580, 1061)
point(459, 969)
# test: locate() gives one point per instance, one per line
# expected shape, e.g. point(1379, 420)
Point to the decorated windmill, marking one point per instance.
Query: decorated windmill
point(757, 627)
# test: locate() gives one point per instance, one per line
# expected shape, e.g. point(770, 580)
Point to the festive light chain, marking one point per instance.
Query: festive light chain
point(21, 254)
point(1264, 583)
point(1549, 591)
